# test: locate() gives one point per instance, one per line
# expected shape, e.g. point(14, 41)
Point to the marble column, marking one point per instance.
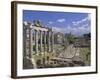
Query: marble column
point(41, 38)
point(52, 41)
point(30, 43)
point(36, 41)
point(49, 41)
point(25, 40)
point(44, 41)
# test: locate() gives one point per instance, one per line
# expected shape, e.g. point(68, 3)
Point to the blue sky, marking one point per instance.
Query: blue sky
point(65, 22)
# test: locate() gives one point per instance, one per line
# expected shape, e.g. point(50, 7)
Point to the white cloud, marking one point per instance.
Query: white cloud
point(56, 29)
point(61, 20)
point(77, 28)
point(88, 18)
point(82, 26)
point(50, 22)
point(74, 30)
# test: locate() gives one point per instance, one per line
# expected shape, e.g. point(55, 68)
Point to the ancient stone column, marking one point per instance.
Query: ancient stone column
point(41, 46)
point(49, 41)
point(44, 41)
point(52, 41)
point(36, 41)
point(30, 42)
point(24, 40)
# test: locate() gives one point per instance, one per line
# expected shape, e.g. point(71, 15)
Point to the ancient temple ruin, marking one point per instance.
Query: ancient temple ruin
point(43, 39)
point(43, 48)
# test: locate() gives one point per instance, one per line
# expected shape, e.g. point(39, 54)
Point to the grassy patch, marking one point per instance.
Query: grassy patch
point(85, 53)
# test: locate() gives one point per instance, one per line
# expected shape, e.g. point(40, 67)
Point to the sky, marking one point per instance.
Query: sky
point(65, 22)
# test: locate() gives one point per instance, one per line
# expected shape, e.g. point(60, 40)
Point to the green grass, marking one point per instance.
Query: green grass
point(85, 53)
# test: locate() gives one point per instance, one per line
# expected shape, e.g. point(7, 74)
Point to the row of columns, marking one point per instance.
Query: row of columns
point(45, 36)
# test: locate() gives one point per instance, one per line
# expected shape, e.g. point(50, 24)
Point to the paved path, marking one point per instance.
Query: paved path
point(70, 52)
point(72, 56)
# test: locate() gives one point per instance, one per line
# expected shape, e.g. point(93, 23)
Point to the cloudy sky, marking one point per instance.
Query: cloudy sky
point(65, 22)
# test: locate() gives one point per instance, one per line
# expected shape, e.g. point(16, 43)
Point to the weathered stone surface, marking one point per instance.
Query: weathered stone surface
point(78, 61)
point(27, 64)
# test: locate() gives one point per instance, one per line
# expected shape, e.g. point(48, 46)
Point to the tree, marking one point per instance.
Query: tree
point(37, 23)
point(71, 38)
point(88, 35)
